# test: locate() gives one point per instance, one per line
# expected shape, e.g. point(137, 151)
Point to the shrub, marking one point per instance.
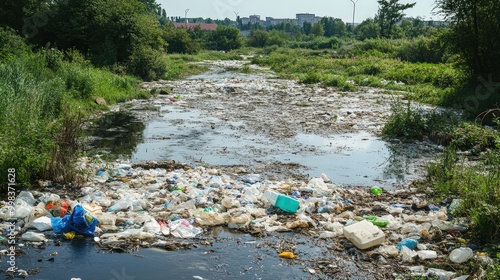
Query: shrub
point(147, 64)
point(224, 39)
point(405, 122)
point(30, 101)
point(477, 189)
point(179, 41)
point(258, 38)
point(11, 45)
point(431, 50)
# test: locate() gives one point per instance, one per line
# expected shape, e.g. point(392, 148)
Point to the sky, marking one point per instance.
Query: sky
point(220, 9)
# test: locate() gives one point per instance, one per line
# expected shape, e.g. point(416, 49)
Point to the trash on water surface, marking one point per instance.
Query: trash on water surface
point(158, 204)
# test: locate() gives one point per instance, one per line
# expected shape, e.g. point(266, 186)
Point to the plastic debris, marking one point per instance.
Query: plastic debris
point(42, 223)
point(287, 255)
point(376, 190)
point(184, 229)
point(461, 255)
point(427, 254)
point(364, 234)
point(79, 221)
point(33, 236)
point(409, 243)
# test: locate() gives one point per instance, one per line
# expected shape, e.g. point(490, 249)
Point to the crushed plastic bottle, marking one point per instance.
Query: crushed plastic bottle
point(408, 242)
point(461, 255)
point(427, 254)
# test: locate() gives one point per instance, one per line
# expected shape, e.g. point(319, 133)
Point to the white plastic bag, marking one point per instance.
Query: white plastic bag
point(33, 236)
point(183, 229)
point(42, 223)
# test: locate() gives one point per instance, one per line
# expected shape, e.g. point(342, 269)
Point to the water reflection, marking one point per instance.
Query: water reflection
point(359, 159)
point(116, 133)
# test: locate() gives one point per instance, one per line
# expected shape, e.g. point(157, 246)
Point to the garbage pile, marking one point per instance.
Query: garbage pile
point(152, 205)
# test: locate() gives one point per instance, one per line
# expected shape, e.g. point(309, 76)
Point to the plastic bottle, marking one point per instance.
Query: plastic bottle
point(120, 205)
point(408, 242)
point(326, 209)
point(427, 254)
point(376, 221)
point(461, 255)
point(376, 190)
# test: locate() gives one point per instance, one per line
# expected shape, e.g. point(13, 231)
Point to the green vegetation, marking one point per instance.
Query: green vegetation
point(389, 13)
point(471, 36)
point(477, 188)
point(44, 95)
point(427, 81)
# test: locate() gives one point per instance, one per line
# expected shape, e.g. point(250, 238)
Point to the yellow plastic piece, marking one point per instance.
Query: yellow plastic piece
point(287, 255)
point(69, 235)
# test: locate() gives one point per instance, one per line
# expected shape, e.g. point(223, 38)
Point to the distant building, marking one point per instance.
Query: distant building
point(203, 26)
point(254, 19)
point(311, 18)
point(275, 21)
point(436, 23)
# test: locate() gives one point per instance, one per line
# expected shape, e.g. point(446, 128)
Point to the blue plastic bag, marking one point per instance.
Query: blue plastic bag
point(79, 221)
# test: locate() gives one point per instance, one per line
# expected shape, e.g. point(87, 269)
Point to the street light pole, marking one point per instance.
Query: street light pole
point(353, 13)
point(185, 17)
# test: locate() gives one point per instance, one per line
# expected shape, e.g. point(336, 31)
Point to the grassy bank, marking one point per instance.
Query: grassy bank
point(44, 104)
point(467, 173)
point(426, 82)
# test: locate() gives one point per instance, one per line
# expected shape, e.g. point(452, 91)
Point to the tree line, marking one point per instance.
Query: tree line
point(133, 34)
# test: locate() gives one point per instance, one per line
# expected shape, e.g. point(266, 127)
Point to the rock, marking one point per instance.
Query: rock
point(100, 101)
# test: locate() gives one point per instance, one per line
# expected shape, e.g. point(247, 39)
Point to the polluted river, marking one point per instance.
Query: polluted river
point(232, 175)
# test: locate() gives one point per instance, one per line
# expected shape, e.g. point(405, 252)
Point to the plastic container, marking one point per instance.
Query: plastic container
point(287, 203)
point(461, 255)
point(283, 202)
point(427, 254)
point(120, 205)
point(408, 242)
point(364, 234)
point(271, 196)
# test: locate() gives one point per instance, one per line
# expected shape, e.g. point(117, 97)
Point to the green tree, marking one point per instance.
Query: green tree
point(317, 29)
point(225, 39)
point(389, 13)
point(258, 38)
point(475, 34)
point(368, 29)
point(333, 27)
point(307, 26)
point(277, 38)
point(179, 40)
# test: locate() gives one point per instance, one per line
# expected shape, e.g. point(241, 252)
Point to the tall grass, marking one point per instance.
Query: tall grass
point(30, 102)
point(477, 187)
point(43, 97)
point(428, 82)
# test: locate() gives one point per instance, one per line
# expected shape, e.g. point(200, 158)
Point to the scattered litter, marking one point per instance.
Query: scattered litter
point(287, 255)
